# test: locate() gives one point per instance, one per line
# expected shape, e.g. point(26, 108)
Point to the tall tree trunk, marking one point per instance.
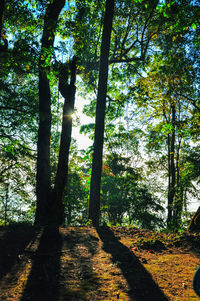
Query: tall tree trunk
point(178, 203)
point(172, 170)
point(6, 205)
point(94, 201)
point(68, 92)
point(43, 177)
point(170, 204)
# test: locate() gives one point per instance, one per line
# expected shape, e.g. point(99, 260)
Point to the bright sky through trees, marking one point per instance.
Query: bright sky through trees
point(82, 140)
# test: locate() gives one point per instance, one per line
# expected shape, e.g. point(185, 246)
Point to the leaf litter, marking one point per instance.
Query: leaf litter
point(84, 263)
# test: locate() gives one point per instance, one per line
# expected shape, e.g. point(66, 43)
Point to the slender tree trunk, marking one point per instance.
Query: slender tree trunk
point(69, 214)
point(178, 204)
point(170, 204)
point(6, 205)
point(94, 201)
point(172, 170)
point(68, 92)
point(43, 177)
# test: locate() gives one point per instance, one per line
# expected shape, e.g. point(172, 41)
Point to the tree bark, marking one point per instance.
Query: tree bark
point(169, 205)
point(6, 205)
point(178, 203)
point(43, 177)
point(94, 201)
point(172, 170)
point(68, 92)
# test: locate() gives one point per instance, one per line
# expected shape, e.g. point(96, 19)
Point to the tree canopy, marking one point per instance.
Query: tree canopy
point(138, 63)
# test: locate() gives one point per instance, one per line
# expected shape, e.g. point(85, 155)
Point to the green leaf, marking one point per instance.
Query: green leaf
point(194, 26)
point(165, 14)
point(86, 157)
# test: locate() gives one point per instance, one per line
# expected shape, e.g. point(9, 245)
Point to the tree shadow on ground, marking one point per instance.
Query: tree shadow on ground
point(13, 242)
point(141, 284)
point(77, 269)
point(43, 280)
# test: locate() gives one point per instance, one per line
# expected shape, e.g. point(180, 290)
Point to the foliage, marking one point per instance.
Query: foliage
point(125, 197)
point(154, 66)
point(76, 197)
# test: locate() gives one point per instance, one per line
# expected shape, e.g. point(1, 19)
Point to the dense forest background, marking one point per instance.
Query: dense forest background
point(137, 64)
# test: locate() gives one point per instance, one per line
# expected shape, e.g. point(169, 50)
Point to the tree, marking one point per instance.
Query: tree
point(126, 48)
point(125, 196)
point(43, 178)
point(169, 130)
point(94, 202)
point(68, 92)
point(18, 65)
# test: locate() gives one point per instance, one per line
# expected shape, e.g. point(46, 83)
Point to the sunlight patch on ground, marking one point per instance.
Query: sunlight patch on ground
point(15, 292)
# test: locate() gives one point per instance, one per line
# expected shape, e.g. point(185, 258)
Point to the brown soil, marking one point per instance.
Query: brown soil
point(82, 263)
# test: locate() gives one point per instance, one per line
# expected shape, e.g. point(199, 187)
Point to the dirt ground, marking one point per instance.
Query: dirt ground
point(83, 263)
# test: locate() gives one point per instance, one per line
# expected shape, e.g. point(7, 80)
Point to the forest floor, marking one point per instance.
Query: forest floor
point(83, 263)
